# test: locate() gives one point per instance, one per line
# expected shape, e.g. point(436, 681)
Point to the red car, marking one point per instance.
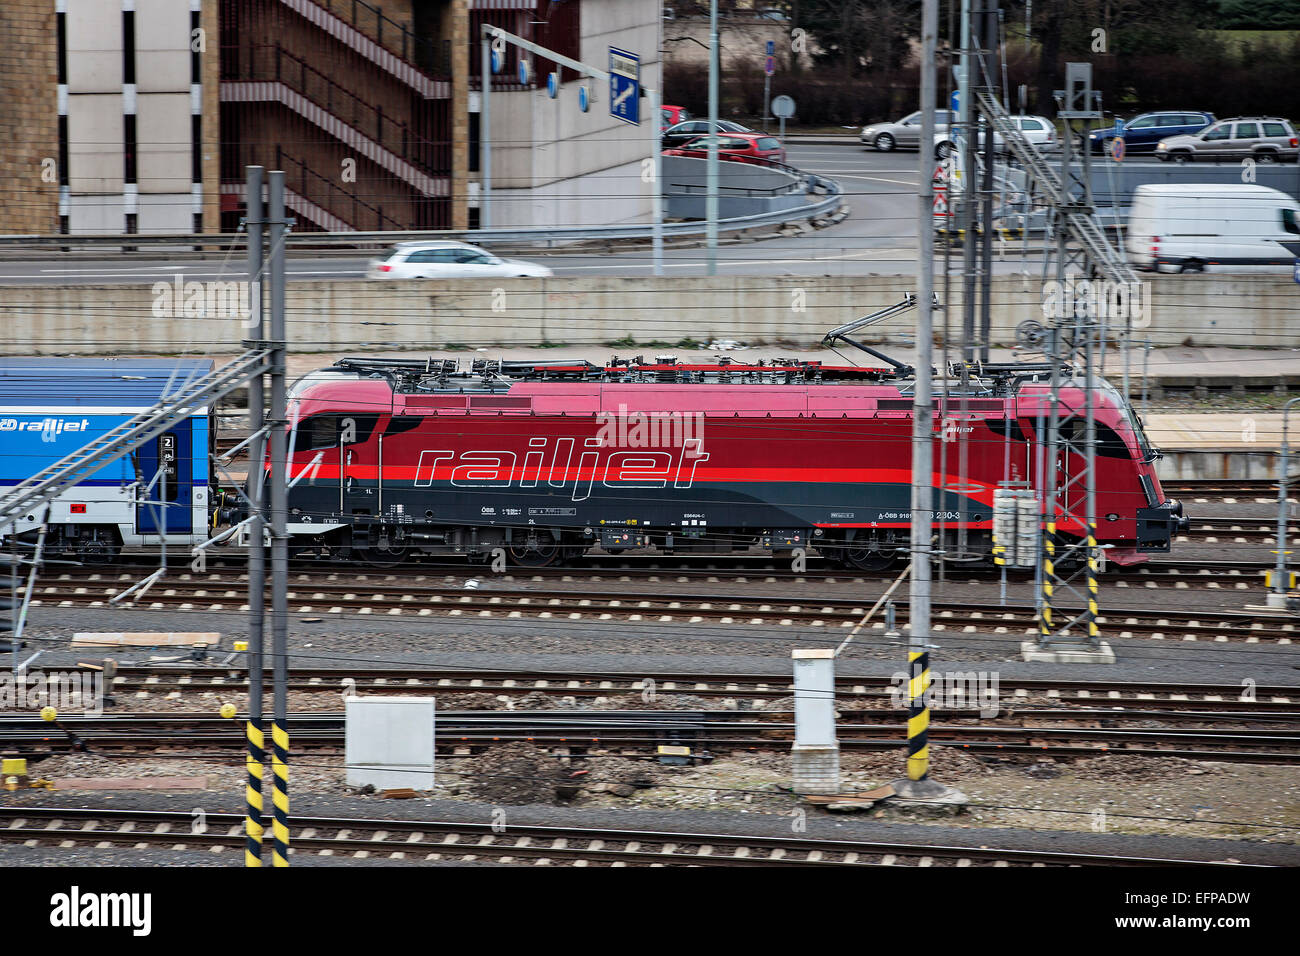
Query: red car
point(757, 148)
point(671, 116)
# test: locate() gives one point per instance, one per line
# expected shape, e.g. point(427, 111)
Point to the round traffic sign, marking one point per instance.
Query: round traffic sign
point(552, 84)
point(1117, 149)
point(523, 72)
point(584, 98)
point(783, 107)
point(498, 58)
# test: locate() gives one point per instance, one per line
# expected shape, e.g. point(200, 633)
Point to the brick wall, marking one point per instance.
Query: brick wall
point(29, 118)
point(455, 24)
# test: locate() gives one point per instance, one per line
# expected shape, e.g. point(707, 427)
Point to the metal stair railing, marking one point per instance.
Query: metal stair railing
point(49, 483)
point(1078, 219)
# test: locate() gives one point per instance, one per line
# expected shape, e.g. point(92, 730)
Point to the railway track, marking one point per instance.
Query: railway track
point(519, 844)
point(139, 682)
point(1246, 487)
point(636, 733)
point(397, 596)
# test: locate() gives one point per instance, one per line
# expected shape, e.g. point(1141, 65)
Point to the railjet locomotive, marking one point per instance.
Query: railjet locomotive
point(395, 458)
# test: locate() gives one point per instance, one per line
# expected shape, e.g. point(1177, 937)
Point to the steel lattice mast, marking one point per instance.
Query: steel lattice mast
point(1074, 343)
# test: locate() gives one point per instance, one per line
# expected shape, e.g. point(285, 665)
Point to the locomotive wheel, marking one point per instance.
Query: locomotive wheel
point(866, 560)
point(539, 552)
point(383, 557)
point(98, 551)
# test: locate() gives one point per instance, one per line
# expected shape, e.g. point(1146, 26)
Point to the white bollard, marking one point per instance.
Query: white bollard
point(816, 752)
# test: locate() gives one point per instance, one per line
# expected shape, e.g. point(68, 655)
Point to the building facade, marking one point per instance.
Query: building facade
point(139, 116)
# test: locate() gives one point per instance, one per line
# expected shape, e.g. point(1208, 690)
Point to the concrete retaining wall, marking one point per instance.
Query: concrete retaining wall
point(1261, 311)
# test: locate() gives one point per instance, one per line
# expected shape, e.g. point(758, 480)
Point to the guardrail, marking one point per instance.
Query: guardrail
point(545, 237)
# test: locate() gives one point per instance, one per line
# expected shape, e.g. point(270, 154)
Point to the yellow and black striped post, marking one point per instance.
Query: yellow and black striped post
point(280, 796)
point(918, 716)
point(1049, 573)
point(1094, 607)
point(253, 828)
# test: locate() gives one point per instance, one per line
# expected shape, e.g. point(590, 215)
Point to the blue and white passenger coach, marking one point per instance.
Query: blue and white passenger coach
point(50, 407)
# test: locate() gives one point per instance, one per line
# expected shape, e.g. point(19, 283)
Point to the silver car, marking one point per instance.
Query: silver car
point(1265, 139)
point(905, 132)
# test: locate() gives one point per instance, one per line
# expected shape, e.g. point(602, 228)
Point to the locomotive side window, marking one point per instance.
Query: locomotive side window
point(322, 431)
point(1005, 427)
point(402, 423)
point(319, 431)
point(1109, 444)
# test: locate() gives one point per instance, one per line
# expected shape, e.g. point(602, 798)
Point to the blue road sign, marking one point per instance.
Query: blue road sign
point(523, 72)
point(584, 100)
point(1297, 270)
point(625, 86)
point(955, 102)
point(498, 59)
point(1119, 126)
point(552, 84)
point(771, 47)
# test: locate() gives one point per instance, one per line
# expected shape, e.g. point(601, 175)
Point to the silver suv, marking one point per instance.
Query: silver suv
point(904, 132)
point(1265, 139)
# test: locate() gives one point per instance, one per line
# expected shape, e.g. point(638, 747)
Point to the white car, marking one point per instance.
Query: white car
point(447, 259)
point(1039, 130)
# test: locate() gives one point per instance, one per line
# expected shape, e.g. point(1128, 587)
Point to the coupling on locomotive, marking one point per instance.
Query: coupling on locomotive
point(395, 459)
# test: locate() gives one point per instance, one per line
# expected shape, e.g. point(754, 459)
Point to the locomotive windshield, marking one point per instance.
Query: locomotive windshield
point(1146, 452)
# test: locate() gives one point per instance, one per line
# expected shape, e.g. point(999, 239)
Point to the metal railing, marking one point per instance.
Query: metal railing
point(273, 63)
point(329, 195)
point(371, 22)
point(544, 236)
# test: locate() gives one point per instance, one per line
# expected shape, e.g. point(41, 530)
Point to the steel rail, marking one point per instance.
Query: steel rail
point(529, 843)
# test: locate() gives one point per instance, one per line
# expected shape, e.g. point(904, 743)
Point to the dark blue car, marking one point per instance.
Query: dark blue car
point(1142, 132)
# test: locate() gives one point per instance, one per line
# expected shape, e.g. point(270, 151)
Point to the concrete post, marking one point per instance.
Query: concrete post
point(1277, 596)
point(815, 750)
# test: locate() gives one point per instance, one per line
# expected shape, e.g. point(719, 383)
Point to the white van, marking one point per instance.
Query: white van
point(1212, 227)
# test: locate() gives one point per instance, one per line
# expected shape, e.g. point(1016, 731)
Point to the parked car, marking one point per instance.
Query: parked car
point(902, 133)
point(683, 133)
point(1211, 227)
point(1141, 133)
point(447, 259)
point(1039, 130)
point(736, 147)
point(671, 116)
point(1265, 139)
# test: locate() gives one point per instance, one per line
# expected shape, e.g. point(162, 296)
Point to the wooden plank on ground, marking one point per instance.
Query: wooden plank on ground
point(145, 638)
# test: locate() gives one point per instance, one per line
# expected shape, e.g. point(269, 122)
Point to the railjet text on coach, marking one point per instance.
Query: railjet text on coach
point(77, 909)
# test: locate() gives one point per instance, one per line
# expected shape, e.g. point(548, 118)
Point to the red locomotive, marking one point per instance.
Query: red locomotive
point(398, 458)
